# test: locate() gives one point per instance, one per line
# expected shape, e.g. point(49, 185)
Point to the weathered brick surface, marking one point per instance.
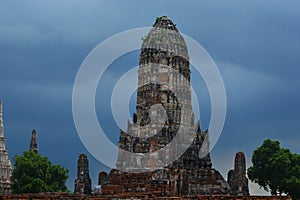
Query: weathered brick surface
point(237, 177)
point(52, 196)
point(163, 79)
point(83, 183)
point(60, 196)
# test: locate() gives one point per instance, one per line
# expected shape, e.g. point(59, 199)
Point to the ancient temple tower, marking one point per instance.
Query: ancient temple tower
point(33, 142)
point(237, 177)
point(164, 113)
point(5, 164)
point(163, 104)
point(83, 183)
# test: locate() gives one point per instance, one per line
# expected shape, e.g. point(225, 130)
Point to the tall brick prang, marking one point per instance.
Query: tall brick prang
point(163, 112)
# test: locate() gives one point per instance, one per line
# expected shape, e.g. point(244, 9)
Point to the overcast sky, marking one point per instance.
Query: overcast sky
point(255, 44)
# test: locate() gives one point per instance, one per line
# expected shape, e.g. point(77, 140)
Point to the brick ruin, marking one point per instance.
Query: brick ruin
point(59, 196)
point(237, 177)
point(164, 80)
point(83, 183)
point(33, 142)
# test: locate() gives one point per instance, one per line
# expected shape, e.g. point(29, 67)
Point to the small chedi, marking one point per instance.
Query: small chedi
point(5, 163)
point(33, 142)
point(164, 60)
point(83, 183)
point(237, 179)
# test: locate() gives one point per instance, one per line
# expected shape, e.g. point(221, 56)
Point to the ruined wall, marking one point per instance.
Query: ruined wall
point(54, 196)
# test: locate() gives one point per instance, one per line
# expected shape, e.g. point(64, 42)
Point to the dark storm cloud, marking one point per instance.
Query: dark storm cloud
point(255, 45)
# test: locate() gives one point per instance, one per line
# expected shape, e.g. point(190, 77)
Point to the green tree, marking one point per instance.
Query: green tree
point(33, 173)
point(276, 169)
point(260, 173)
point(292, 180)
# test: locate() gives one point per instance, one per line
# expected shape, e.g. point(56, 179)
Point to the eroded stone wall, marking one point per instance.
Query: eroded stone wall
point(54, 196)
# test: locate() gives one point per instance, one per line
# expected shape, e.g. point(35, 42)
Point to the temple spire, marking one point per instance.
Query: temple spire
point(83, 182)
point(5, 164)
point(237, 177)
point(1, 122)
point(33, 142)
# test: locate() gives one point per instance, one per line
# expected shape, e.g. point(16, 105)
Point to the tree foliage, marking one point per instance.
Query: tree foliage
point(33, 173)
point(276, 169)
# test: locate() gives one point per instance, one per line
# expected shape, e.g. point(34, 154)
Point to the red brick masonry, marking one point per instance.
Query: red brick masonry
point(56, 196)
